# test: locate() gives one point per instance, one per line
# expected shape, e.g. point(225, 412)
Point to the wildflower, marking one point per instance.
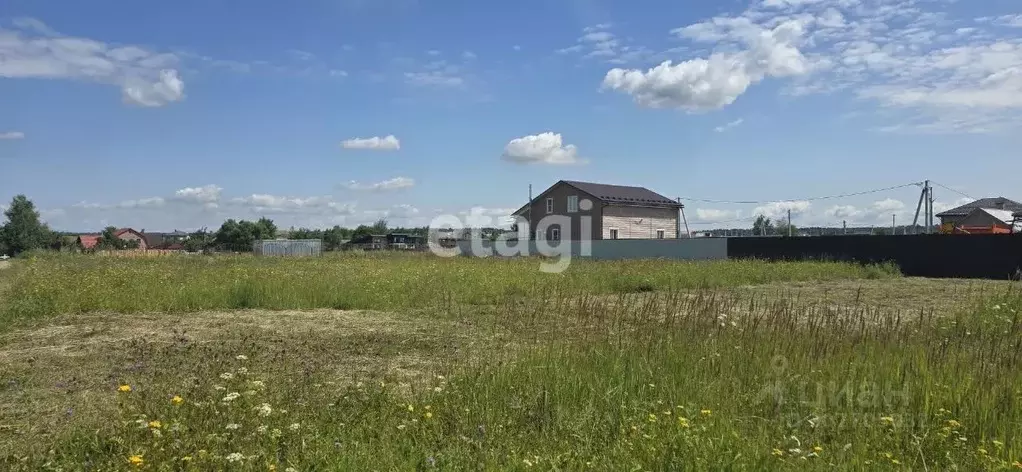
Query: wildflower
point(136, 460)
point(953, 423)
point(777, 452)
point(258, 383)
point(294, 426)
point(235, 457)
point(410, 407)
point(527, 462)
point(177, 400)
point(242, 370)
point(242, 357)
point(817, 449)
point(232, 426)
point(157, 433)
point(438, 389)
point(227, 376)
point(652, 418)
point(275, 433)
point(887, 419)
point(219, 387)
point(231, 397)
point(428, 415)
point(155, 424)
point(683, 422)
point(265, 409)
point(186, 459)
point(125, 389)
point(401, 426)
point(706, 412)
point(262, 428)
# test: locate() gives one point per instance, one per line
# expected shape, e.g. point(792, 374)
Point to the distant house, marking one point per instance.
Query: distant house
point(983, 216)
point(90, 241)
point(616, 212)
point(170, 241)
point(388, 241)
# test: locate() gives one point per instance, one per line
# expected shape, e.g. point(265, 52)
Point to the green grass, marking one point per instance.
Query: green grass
point(637, 383)
point(53, 285)
point(640, 365)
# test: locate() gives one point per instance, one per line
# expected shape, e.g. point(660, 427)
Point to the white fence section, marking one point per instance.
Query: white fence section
point(288, 247)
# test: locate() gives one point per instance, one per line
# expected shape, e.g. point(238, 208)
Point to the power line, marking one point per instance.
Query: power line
point(951, 189)
point(749, 202)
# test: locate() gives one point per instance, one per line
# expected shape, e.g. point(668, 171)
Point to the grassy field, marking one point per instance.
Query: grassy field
point(489, 365)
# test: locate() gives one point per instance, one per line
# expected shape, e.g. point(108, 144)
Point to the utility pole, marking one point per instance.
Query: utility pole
point(894, 224)
point(930, 194)
point(682, 210)
point(529, 238)
point(844, 227)
point(789, 222)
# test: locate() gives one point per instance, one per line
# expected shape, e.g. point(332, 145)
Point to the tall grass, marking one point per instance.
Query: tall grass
point(667, 381)
point(79, 284)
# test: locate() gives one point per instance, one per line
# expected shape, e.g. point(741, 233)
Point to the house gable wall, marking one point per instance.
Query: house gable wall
point(639, 222)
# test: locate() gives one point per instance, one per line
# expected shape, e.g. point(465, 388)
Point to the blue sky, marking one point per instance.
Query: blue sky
point(165, 116)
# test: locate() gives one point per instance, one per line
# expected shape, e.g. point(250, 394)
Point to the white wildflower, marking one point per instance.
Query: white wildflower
point(265, 409)
point(232, 426)
point(258, 383)
point(294, 426)
point(242, 370)
point(231, 397)
point(242, 357)
point(227, 376)
point(235, 457)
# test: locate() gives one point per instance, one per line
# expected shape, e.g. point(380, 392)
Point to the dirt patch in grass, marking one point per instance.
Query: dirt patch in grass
point(52, 375)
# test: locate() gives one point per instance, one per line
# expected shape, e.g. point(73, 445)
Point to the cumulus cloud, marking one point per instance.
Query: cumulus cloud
point(710, 215)
point(392, 184)
point(33, 50)
point(877, 211)
point(776, 210)
point(207, 195)
point(386, 143)
point(943, 73)
point(12, 135)
point(716, 81)
point(543, 148)
point(727, 126)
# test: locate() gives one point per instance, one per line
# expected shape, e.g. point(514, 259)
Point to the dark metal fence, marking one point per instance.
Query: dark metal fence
point(990, 256)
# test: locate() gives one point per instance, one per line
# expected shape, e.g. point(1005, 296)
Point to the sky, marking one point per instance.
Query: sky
point(163, 116)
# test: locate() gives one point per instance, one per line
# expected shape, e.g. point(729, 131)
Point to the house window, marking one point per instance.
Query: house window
point(573, 204)
point(549, 205)
point(613, 233)
point(660, 234)
point(539, 235)
point(555, 234)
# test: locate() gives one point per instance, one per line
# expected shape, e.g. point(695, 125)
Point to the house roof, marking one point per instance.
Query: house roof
point(616, 195)
point(1004, 216)
point(89, 241)
point(995, 203)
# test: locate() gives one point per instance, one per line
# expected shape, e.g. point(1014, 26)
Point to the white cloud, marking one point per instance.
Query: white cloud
point(843, 212)
point(208, 195)
point(877, 211)
point(386, 143)
point(273, 204)
point(714, 82)
point(33, 50)
point(776, 210)
point(599, 43)
point(392, 184)
point(710, 215)
point(12, 135)
point(483, 217)
point(725, 127)
point(939, 206)
point(439, 73)
point(933, 71)
point(543, 148)
point(150, 202)
point(889, 205)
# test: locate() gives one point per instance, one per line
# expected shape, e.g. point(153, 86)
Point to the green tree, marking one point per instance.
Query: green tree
point(362, 231)
point(108, 239)
point(23, 231)
point(762, 226)
point(333, 237)
point(200, 240)
point(264, 229)
point(379, 227)
point(782, 229)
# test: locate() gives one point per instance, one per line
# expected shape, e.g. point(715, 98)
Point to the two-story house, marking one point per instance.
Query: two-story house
point(614, 211)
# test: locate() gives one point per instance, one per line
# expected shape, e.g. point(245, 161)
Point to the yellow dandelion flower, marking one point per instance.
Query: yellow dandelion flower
point(411, 407)
point(155, 424)
point(124, 388)
point(777, 452)
point(177, 400)
point(428, 415)
point(706, 412)
point(682, 421)
point(652, 418)
point(136, 460)
point(953, 423)
point(817, 449)
point(887, 419)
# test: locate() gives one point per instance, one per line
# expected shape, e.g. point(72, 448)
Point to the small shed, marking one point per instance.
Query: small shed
point(288, 247)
